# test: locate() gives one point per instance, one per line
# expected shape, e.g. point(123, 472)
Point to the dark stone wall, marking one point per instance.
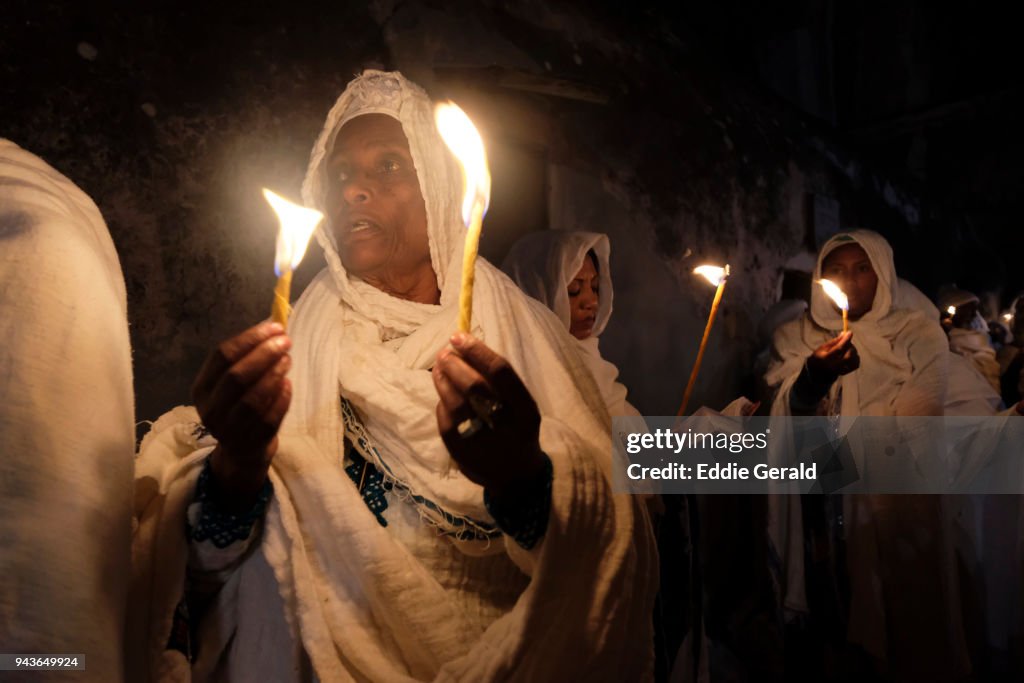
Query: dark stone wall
point(610, 119)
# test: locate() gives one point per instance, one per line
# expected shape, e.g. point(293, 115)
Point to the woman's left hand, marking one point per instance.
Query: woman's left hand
point(486, 416)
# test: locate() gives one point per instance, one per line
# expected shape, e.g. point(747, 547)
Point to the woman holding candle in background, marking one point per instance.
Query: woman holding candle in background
point(402, 536)
point(903, 605)
point(570, 273)
point(898, 356)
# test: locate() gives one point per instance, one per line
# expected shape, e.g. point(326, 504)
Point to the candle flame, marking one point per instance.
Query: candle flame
point(297, 225)
point(1007, 317)
point(951, 310)
point(835, 293)
point(462, 138)
point(713, 274)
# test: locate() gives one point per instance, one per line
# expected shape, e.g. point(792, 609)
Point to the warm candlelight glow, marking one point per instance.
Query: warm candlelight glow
point(462, 138)
point(951, 310)
point(718, 277)
point(1007, 317)
point(712, 274)
point(836, 294)
point(297, 226)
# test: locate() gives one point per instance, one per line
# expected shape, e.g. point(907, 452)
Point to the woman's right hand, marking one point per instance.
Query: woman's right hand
point(242, 396)
point(834, 358)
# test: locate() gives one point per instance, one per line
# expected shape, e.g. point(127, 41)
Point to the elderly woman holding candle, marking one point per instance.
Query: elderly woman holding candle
point(405, 504)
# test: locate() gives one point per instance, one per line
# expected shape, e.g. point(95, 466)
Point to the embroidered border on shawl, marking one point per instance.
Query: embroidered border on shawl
point(219, 526)
point(371, 484)
point(448, 524)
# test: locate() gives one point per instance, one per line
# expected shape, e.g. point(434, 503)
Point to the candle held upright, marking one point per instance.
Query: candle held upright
point(839, 297)
point(716, 276)
point(297, 226)
point(281, 307)
point(462, 138)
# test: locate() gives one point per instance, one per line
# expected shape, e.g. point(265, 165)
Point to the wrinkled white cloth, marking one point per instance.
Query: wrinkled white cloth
point(977, 348)
point(543, 264)
point(66, 422)
point(909, 296)
point(968, 392)
point(360, 601)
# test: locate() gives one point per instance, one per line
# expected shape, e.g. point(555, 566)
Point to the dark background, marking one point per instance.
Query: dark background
point(689, 131)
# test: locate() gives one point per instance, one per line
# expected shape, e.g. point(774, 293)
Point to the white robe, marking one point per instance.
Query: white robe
point(66, 423)
point(975, 346)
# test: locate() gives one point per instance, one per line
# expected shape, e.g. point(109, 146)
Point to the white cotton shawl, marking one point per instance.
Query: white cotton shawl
point(968, 393)
point(360, 604)
point(543, 264)
point(66, 422)
point(977, 348)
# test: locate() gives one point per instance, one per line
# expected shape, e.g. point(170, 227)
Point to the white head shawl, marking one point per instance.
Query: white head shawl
point(952, 296)
point(380, 347)
point(543, 264)
point(379, 92)
point(902, 352)
point(913, 298)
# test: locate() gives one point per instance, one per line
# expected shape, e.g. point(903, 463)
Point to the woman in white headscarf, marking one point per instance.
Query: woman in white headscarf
point(365, 529)
point(968, 334)
point(897, 365)
point(569, 272)
point(903, 604)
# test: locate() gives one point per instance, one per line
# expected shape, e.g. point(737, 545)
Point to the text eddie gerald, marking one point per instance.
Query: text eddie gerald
point(667, 440)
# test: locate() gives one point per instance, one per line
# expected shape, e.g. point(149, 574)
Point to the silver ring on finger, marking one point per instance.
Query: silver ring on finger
point(487, 409)
point(469, 427)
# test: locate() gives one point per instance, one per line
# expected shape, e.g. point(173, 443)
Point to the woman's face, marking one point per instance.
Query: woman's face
point(849, 267)
point(584, 298)
point(374, 205)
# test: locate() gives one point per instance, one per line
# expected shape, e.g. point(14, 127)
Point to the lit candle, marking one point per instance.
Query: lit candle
point(297, 225)
point(836, 294)
point(951, 310)
point(717, 277)
point(464, 141)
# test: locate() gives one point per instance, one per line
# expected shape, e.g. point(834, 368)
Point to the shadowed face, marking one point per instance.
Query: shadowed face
point(374, 205)
point(964, 315)
point(849, 267)
point(584, 297)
